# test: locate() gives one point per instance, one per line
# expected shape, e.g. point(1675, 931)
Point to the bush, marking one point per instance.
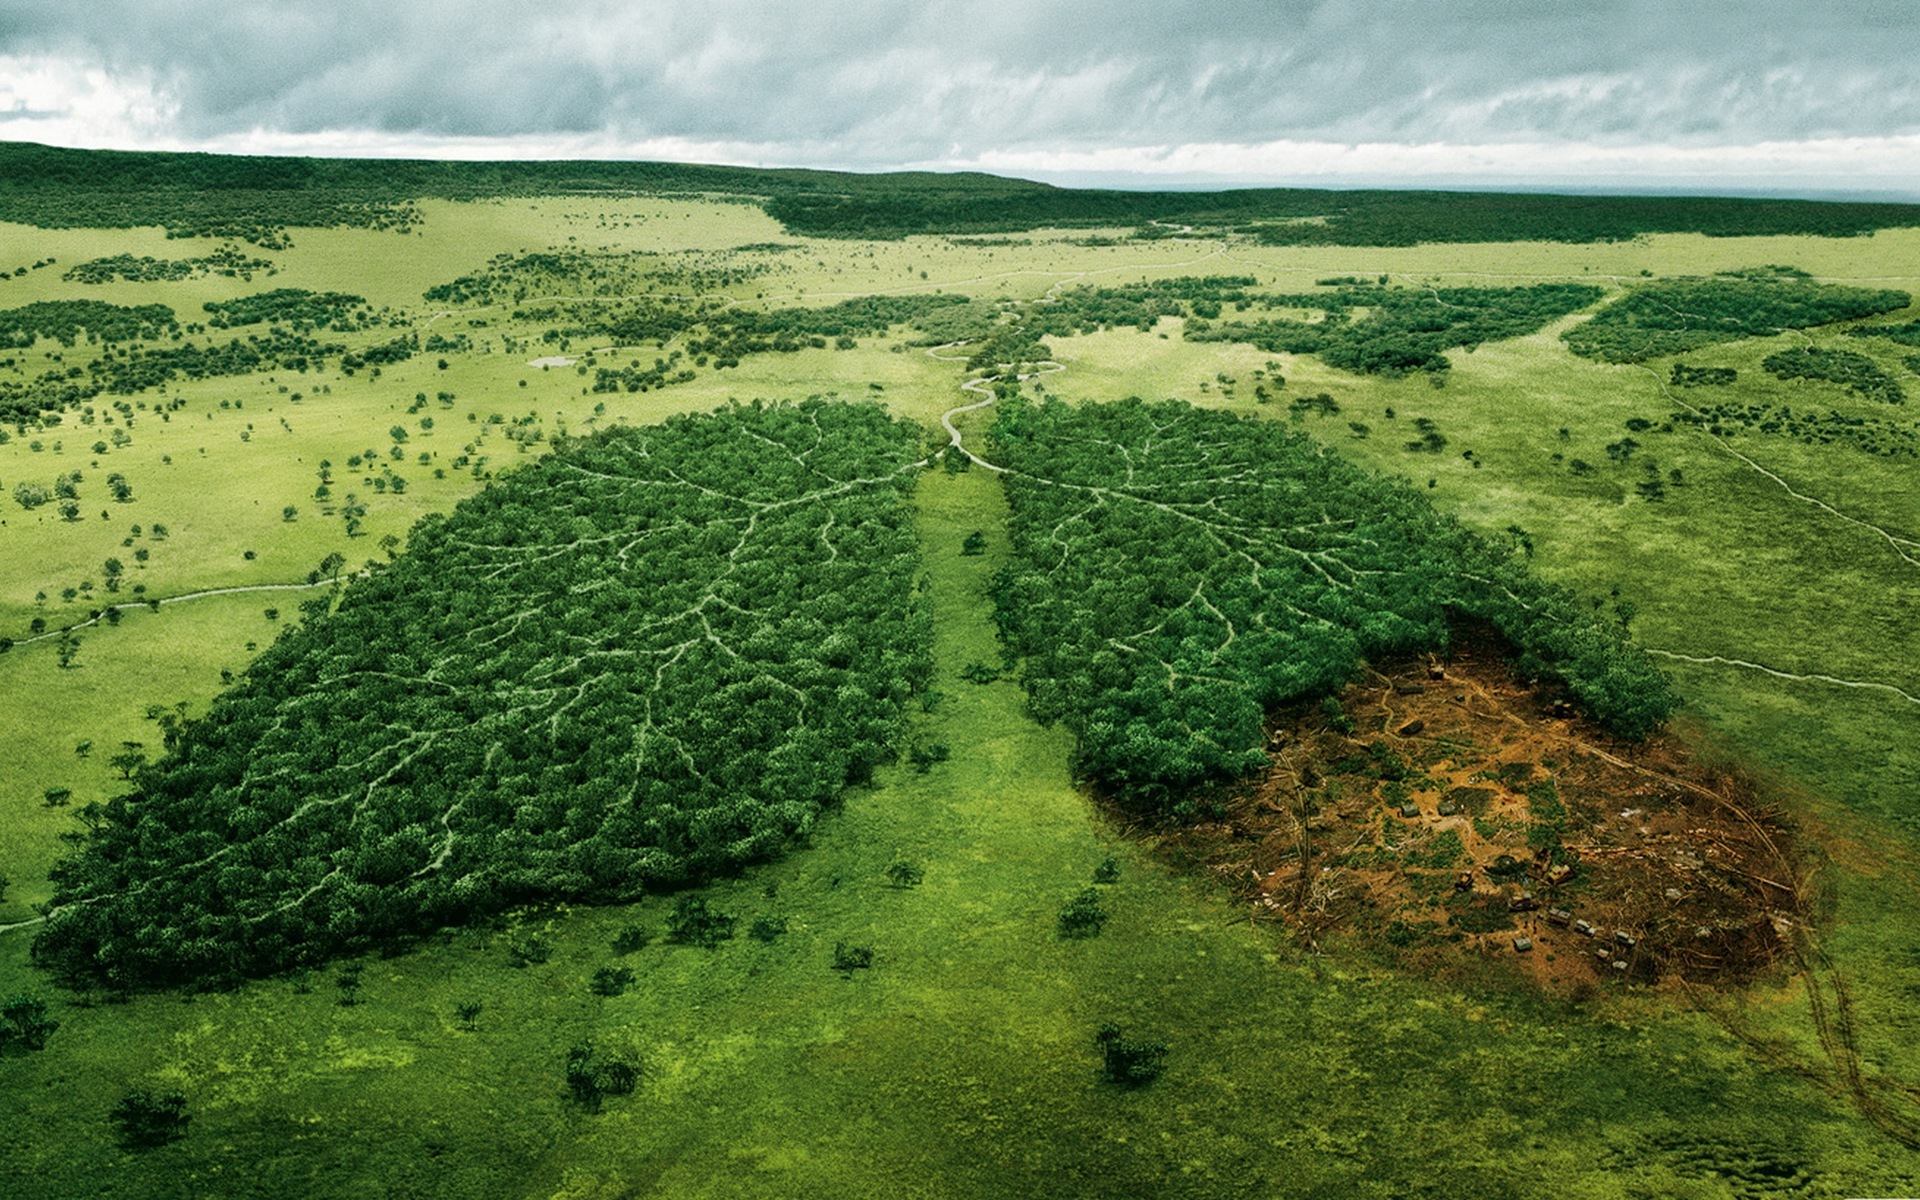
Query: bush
point(1129, 1063)
point(591, 1079)
point(610, 981)
point(24, 1025)
point(1083, 917)
point(631, 938)
point(692, 923)
point(848, 958)
point(147, 1119)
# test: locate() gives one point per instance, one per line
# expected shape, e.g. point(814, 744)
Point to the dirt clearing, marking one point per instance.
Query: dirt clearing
point(1461, 823)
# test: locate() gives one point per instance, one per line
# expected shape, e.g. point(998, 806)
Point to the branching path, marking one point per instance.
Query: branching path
point(1903, 547)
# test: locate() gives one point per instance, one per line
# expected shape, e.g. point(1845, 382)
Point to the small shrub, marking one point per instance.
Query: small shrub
point(904, 874)
point(527, 951)
point(610, 981)
point(925, 756)
point(1336, 716)
point(590, 1079)
point(24, 1025)
point(975, 543)
point(1129, 1063)
point(1108, 871)
point(848, 958)
point(147, 1119)
point(631, 938)
point(692, 923)
point(1083, 917)
point(767, 929)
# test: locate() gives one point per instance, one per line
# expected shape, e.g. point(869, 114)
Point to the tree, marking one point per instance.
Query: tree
point(1129, 1063)
point(590, 1079)
point(24, 1024)
point(147, 1119)
point(468, 1012)
point(1083, 917)
point(66, 648)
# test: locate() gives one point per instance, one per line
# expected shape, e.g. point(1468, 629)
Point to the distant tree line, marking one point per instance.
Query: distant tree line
point(258, 198)
point(1673, 316)
point(1405, 329)
point(227, 261)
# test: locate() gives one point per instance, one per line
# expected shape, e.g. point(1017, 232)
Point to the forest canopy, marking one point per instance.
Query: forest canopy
point(1181, 572)
point(1673, 316)
point(1404, 329)
point(651, 658)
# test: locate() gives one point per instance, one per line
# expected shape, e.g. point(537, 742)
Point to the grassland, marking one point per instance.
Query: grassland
point(1778, 578)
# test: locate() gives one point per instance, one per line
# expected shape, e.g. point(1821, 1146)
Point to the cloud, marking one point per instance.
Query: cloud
point(880, 83)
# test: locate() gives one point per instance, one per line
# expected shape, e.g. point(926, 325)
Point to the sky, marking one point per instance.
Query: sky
point(1700, 95)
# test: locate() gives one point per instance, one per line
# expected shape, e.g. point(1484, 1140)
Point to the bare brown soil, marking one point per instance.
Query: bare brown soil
point(1464, 815)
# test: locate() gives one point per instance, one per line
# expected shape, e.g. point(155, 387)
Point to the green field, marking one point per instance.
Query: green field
point(1773, 574)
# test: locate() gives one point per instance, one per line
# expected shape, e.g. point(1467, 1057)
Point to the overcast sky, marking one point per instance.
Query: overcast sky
point(1707, 94)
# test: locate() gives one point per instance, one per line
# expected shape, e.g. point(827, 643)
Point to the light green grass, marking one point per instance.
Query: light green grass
point(962, 1065)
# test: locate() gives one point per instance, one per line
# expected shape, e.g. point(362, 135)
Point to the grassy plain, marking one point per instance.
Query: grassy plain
point(962, 1063)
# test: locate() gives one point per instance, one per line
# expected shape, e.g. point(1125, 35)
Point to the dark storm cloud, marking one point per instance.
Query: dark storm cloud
point(866, 82)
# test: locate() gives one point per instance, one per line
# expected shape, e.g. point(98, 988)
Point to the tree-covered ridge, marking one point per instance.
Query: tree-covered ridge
point(302, 309)
point(1672, 316)
point(1139, 305)
point(1856, 372)
point(1906, 333)
point(1180, 572)
point(227, 261)
point(564, 272)
point(1404, 329)
point(649, 658)
point(66, 321)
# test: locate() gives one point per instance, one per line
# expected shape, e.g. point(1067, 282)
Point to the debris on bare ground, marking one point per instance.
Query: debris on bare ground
point(1461, 823)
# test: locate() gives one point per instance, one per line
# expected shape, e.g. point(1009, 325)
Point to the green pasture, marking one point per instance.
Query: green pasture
point(963, 1063)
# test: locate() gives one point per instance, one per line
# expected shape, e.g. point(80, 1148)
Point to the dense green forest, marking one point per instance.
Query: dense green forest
point(1855, 372)
point(67, 321)
point(1180, 572)
point(258, 199)
point(1403, 329)
point(1907, 333)
point(650, 658)
point(227, 261)
point(1672, 316)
